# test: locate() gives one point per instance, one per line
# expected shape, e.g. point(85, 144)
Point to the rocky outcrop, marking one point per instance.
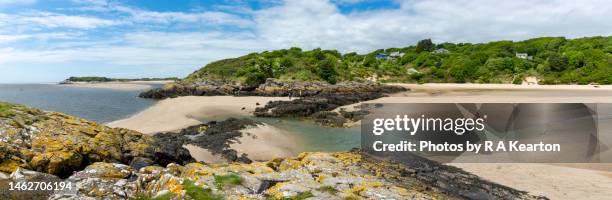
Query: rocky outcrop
point(60, 144)
point(319, 108)
point(314, 175)
point(315, 100)
point(205, 88)
point(215, 136)
point(271, 87)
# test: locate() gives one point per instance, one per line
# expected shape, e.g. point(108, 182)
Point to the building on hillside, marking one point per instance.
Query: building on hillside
point(441, 51)
point(396, 54)
point(524, 56)
point(382, 56)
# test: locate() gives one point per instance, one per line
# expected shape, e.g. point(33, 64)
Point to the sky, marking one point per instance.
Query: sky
point(50, 40)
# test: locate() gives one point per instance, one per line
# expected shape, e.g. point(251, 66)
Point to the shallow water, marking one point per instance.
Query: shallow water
point(101, 105)
point(315, 137)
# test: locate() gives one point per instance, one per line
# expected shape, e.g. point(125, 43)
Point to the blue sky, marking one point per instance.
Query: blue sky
point(47, 41)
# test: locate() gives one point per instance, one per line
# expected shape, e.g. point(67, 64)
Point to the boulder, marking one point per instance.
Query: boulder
point(60, 144)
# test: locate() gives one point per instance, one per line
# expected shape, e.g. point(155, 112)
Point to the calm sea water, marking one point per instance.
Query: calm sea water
point(101, 105)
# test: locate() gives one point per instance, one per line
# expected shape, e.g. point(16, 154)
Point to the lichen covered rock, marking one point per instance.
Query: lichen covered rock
point(312, 175)
point(60, 144)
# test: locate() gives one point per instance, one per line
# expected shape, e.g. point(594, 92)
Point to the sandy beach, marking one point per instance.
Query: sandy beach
point(125, 86)
point(271, 142)
point(552, 181)
point(558, 181)
point(176, 113)
point(495, 93)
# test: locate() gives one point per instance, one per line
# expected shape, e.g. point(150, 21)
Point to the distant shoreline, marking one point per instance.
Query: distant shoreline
point(116, 85)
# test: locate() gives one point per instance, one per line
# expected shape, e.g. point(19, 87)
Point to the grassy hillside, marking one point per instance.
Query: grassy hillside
point(554, 60)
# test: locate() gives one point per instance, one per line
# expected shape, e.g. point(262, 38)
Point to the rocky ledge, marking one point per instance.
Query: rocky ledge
point(60, 144)
point(271, 87)
point(311, 175)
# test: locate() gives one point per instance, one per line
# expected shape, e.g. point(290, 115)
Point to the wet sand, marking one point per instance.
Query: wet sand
point(260, 143)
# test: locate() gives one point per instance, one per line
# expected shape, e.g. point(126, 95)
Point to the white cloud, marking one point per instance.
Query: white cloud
point(54, 20)
point(12, 38)
point(155, 49)
point(208, 18)
point(348, 1)
point(16, 2)
point(139, 16)
point(313, 24)
point(6, 38)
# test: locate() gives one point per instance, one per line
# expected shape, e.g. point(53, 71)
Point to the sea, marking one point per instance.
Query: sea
point(100, 105)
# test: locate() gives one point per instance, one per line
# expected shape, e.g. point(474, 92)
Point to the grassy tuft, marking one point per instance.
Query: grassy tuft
point(328, 189)
point(143, 196)
point(6, 109)
point(301, 196)
point(199, 193)
point(230, 179)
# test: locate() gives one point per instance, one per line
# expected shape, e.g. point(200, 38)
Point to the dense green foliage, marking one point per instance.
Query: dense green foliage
point(554, 60)
point(105, 79)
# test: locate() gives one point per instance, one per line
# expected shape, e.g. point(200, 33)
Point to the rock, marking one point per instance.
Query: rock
point(271, 87)
point(218, 136)
point(314, 175)
point(100, 180)
point(29, 175)
point(140, 162)
point(3, 176)
point(24, 176)
point(105, 170)
point(60, 144)
point(168, 148)
point(328, 118)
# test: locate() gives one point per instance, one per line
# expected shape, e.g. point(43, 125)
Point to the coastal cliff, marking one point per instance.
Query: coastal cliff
point(110, 163)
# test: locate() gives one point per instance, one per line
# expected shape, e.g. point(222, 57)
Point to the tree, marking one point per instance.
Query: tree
point(370, 61)
point(425, 45)
point(557, 62)
point(327, 71)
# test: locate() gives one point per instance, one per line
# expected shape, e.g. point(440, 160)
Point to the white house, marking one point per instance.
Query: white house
point(396, 54)
point(524, 56)
point(441, 51)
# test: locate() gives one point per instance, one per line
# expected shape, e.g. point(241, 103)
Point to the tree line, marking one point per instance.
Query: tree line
point(553, 60)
